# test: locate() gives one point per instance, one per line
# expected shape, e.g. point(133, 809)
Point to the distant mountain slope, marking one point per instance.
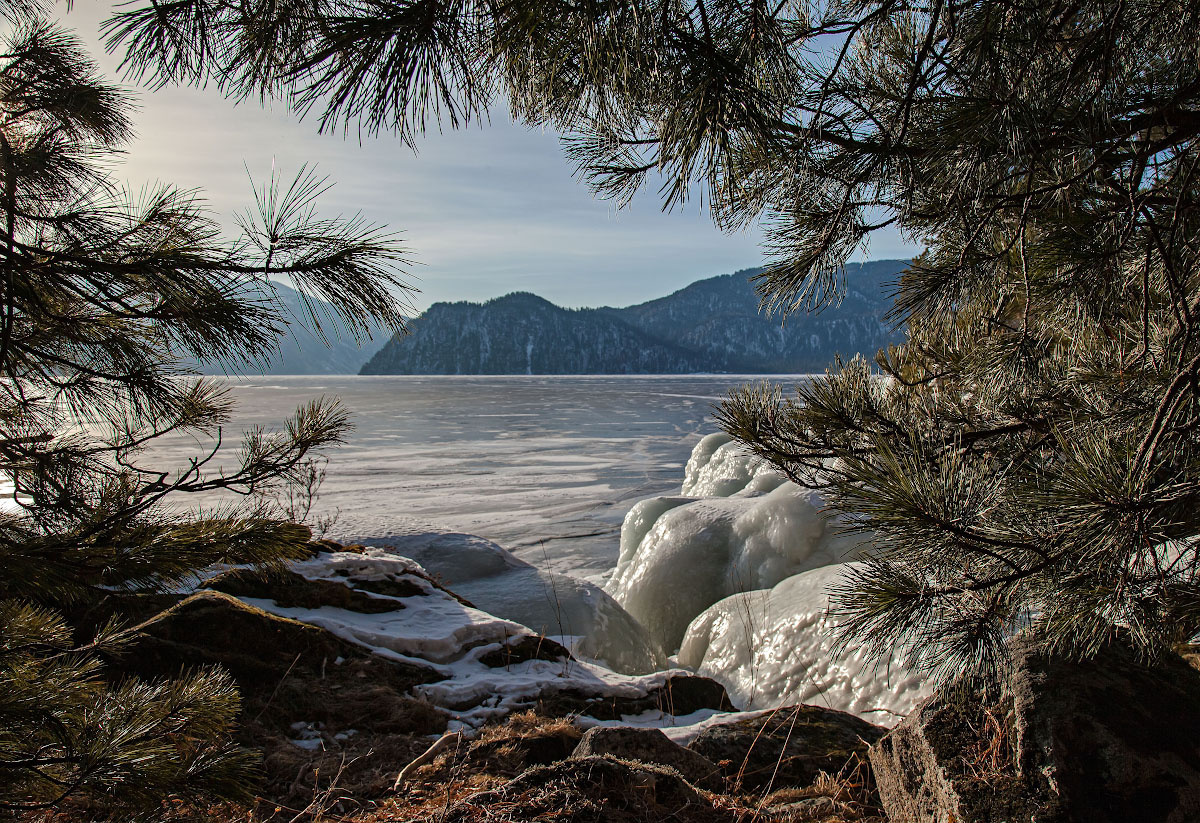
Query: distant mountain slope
point(720, 318)
point(710, 326)
point(523, 334)
point(302, 351)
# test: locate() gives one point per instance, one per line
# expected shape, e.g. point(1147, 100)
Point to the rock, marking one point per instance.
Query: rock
point(679, 695)
point(787, 747)
point(593, 790)
point(522, 741)
point(650, 746)
point(501, 584)
point(1100, 741)
point(290, 590)
point(525, 647)
point(296, 681)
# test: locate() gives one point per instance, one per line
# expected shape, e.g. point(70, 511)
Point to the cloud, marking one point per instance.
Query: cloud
point(486, 210)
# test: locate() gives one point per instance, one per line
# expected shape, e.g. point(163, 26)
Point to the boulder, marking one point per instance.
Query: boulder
point(650, 746)
point(291, 590)
point(501, 584)
point(522, 741)
point(1101, 741)
point(593, 790)
point(679, 695)
point(786, 747)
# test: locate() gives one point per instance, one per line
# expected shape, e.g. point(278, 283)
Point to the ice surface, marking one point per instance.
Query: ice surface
point(721, 467)
point(499, 583)
point(776, 647)
point(696, 552)
point(545, 465)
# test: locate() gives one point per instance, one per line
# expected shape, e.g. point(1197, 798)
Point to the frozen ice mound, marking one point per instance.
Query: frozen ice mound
point(496, 581)
point(679, 555)
point(776, 648)
point(721, 467)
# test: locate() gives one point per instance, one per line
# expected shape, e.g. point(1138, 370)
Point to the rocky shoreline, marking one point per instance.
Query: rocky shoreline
point(353, 732)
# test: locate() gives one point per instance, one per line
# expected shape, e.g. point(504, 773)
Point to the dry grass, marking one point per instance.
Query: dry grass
point(851, 795)
point(991, 752)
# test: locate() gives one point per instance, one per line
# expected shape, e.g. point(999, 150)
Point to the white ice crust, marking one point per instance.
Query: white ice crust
point(721, 467)
point(679, 555)
point(776, 648)
point(553, 604)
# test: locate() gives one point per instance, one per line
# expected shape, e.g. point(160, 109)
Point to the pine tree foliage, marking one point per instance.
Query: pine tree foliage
point(103, 291)
point(1028, 459)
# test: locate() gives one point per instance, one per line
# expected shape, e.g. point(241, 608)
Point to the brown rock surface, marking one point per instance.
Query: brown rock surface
point(786, 747)
point(650, 746)
point(1102, 741)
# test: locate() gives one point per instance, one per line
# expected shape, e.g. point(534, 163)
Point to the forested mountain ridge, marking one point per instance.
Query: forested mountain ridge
point(522, 333)
point(712, 325)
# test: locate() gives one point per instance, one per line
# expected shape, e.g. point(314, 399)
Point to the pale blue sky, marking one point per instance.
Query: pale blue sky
point(485, 211)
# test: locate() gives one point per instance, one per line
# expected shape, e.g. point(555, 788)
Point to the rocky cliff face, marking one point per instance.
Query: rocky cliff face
point(710, 326)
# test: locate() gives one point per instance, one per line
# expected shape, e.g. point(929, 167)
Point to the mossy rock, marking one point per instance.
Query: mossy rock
point(679, 695)
point(1107, 740)
point(650, 746)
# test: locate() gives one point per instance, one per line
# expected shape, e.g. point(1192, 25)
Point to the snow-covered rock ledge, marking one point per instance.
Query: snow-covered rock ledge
point(484, 667)
point(582, 614)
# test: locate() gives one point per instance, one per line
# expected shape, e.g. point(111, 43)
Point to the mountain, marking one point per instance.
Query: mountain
point(521, 333)
point(710, 326)
point(302, 351)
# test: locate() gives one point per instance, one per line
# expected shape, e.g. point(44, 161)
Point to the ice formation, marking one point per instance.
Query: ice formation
point(679, 555)
point(721, 467)
point(494, 580)
point(775, 648)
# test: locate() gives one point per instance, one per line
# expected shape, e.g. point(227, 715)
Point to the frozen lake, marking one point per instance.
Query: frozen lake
point(546, 466)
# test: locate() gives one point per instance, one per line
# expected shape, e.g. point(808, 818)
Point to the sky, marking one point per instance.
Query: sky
point(483, 212)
